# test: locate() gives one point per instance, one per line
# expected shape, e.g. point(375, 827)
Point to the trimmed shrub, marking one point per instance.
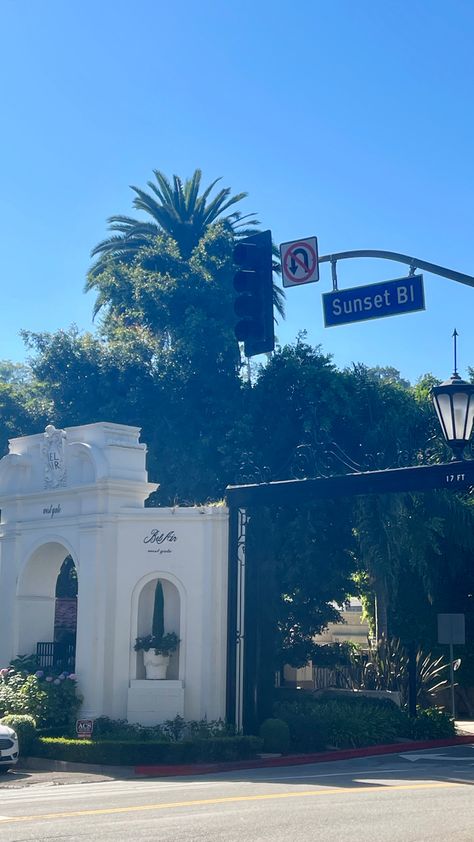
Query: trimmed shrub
point(431, 724)
point(350, 723)
point(25, 727)
point(275, 735)
point(130, 753)
point(172, 730)
point(318, 724)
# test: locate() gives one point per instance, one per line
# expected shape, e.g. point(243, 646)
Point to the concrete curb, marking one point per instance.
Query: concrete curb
point(298, 759)
point(192, 769)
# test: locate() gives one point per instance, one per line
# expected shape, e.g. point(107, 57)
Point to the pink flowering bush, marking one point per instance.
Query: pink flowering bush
point(51, 699)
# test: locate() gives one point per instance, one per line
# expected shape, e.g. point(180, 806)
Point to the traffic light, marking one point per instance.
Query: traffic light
point(254, 284)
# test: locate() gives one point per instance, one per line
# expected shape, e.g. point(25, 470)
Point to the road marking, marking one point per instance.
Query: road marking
point(375, 772)
point(232, 799)
point(452, 758)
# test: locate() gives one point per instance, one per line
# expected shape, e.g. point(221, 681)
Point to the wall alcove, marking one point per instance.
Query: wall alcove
point(172, 621)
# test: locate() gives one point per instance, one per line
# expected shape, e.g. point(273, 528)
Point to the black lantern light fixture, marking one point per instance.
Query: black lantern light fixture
point(454, 404)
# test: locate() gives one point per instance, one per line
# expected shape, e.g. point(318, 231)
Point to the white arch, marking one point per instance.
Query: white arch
point(36, 592)
point(46, 538)
point(93, 458)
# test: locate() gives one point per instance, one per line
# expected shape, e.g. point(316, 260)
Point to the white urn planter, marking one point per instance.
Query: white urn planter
point(156, 666)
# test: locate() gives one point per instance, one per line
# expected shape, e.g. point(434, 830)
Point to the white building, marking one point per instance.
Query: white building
point(80, 493)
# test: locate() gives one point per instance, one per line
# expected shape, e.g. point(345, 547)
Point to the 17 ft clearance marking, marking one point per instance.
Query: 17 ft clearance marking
point(299, 262)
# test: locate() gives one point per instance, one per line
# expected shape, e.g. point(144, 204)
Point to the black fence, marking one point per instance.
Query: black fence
point(56, 655)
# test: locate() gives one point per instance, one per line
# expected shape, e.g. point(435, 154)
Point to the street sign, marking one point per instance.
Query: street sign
point(374, 301)
point(451, 628)
point(299, 262)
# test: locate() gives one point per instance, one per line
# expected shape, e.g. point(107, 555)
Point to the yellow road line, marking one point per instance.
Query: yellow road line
point(231, 799)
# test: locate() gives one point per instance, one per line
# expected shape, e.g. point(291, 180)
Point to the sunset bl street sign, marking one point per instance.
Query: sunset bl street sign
point(374, 301)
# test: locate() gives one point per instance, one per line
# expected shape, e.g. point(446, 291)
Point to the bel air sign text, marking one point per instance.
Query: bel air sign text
point(375, 301)
point(160, 540)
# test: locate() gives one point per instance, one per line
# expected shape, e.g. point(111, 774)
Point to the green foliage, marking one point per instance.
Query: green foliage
point(319, 724)
point(175, 209)
point(385, 667)
point(157, 626)
point(23, 411)
point(275, 735)
point(52, 700)
point(172, 730)
point(132, 753)
point(316, 725)
point(162, 645)
point(431, 724)
point(25, 727)
point(25, 663)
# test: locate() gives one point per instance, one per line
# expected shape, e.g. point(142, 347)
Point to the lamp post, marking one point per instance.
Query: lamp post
point(454, 404)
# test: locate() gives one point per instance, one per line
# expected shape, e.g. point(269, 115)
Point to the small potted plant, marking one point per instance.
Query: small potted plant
point(157, 646)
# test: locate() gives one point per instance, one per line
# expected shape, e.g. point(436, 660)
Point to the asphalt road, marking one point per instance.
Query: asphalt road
point(410, 797)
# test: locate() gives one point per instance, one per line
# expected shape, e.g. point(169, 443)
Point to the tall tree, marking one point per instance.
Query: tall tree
point(178, 213)
point(176, 210)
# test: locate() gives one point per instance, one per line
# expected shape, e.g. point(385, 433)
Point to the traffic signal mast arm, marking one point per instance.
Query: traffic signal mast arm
point(412, 262)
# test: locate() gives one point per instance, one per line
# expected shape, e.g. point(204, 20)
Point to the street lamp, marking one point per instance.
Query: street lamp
point(454, 404)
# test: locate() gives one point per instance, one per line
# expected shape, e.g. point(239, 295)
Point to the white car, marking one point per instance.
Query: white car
point(8, 748)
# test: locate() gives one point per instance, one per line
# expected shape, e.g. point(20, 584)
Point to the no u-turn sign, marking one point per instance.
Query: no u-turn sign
point(299, 262)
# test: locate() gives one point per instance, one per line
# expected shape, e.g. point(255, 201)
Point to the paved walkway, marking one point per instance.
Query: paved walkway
point(464, 726)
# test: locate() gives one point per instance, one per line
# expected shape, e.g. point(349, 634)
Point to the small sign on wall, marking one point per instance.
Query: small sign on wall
point(84, 728)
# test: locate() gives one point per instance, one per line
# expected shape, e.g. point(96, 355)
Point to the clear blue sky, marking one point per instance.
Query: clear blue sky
point(350, 120)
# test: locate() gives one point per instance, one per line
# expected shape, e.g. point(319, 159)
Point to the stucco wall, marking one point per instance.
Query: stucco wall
point(92, 508)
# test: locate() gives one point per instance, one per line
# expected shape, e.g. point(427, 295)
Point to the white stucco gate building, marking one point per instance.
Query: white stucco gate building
point(79, 494)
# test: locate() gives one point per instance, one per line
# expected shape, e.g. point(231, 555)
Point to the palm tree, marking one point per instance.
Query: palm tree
point(178, 211)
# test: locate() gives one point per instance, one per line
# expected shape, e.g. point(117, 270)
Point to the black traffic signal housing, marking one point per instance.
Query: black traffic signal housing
point(254, 284)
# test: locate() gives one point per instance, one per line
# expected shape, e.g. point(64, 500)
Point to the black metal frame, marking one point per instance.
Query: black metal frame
point(243, 614)
point(56, 655)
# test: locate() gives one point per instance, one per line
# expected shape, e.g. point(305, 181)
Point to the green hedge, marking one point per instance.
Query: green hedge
point(275, 735)
point(25, 727)
point(316, 725)
point(115, 753)
point(431, 724)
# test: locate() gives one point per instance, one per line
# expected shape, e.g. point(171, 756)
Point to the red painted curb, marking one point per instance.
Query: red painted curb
point(297, 759)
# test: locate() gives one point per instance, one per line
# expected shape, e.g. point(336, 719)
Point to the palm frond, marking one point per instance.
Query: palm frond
point(179, 197)
point(143, 201)
point(219, 205)
point(191, 191)
point(165, 187)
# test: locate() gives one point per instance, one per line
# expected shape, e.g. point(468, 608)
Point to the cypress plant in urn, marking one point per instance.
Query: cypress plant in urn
point(158, 623)
point(157, 646)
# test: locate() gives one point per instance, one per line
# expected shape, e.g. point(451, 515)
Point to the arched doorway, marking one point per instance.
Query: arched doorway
point(65, 616)
point(47, 607)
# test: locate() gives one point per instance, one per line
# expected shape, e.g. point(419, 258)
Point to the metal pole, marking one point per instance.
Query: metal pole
point(413, 262)
point(232, 615)
point(412, 678)
point(451, 672)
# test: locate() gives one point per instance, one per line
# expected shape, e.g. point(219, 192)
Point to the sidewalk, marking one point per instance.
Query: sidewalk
point(464, 735)
point(464, 726)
